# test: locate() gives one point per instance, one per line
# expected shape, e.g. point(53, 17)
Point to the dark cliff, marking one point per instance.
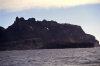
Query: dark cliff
point(32, 34)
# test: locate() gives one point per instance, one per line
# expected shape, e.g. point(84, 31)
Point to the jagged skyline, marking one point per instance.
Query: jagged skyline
point(85, 14)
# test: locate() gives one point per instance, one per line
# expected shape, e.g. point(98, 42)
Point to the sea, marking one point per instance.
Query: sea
point(51, 57)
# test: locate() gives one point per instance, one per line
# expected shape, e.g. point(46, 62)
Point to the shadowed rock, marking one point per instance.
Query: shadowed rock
point(32, 34)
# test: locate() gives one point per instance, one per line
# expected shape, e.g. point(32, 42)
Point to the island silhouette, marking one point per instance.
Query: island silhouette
point(31, 34)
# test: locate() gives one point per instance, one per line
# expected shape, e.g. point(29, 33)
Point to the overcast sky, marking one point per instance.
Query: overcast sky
point(85, 13)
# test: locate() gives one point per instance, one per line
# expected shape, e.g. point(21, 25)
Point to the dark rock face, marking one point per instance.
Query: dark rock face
point(2, 34)
point(32, 34)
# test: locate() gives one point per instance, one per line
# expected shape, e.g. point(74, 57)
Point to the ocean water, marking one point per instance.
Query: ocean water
point(51, 57)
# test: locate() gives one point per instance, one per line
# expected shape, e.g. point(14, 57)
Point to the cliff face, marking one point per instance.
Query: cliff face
point(32, 34)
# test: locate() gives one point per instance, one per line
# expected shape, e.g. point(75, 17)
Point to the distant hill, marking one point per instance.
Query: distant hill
point(32, 34)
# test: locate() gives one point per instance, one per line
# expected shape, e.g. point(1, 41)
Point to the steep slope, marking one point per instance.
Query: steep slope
point(32, 34)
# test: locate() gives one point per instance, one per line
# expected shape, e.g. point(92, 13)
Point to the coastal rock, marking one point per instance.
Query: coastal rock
point(32, 34)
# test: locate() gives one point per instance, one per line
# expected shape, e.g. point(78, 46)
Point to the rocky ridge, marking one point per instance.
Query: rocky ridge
point(32, 34)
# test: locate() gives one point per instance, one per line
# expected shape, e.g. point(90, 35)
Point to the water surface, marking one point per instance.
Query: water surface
point(51, 57)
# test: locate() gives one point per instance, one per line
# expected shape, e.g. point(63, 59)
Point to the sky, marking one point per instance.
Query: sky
point(85, 13)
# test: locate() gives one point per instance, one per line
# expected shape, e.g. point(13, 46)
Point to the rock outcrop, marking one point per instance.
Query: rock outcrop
point(32, 34)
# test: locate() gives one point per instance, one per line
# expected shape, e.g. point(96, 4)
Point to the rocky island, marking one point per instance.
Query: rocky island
point(31, 34)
